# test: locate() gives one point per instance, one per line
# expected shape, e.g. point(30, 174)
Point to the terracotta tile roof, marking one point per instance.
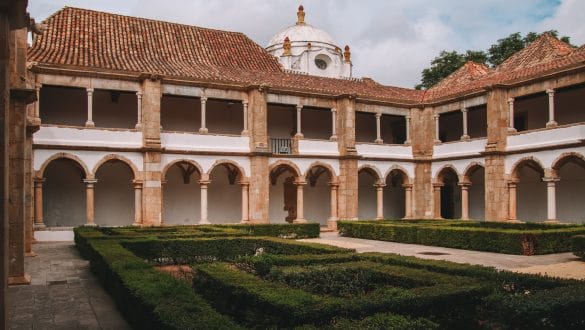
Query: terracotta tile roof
point(103, 42)
point(545, 55)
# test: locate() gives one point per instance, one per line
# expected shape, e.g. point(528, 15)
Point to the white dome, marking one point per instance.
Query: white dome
point(301, 33)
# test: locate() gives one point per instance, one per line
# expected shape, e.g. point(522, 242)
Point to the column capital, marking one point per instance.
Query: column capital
point(549, 180)
point(39, 180)
point(138, 184)
point(244, 183)
point(379, 185)
point(436, 116)
point(89, 90)
point(139, 93)
point(510, 100)
point(550, 92)
point(438, 185)
point(407, 186)
point(203, 99)
point(38, 86)
point(464, 185)
point(378, 114)
point(333, 110)
point(333, 184)
point(245, 102)
point(299, 183)
point(408, 117)
point(463, 109)
point(513, 182)
point(204, 183)
point(299, 107)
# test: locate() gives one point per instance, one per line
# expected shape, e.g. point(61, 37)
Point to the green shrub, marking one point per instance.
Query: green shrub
point(578, 246)
point(377, 322)
point(526, 239)
point(147, 298)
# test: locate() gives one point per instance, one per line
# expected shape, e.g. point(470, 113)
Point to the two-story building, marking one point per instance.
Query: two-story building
point(146, 122)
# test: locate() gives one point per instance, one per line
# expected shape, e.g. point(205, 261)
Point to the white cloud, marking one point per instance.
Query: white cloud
point(391, 41)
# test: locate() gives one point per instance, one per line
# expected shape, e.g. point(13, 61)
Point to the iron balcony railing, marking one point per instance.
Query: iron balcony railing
point(281, 146)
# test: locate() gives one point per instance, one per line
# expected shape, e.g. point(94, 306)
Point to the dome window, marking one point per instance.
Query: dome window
point(322, 61)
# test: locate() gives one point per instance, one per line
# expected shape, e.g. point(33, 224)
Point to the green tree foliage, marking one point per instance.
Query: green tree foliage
point(448, 62)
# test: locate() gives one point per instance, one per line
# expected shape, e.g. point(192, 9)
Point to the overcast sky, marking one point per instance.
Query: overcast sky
point(391, 40)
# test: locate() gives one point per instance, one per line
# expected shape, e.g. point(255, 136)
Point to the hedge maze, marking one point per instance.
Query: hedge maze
point(242, 280)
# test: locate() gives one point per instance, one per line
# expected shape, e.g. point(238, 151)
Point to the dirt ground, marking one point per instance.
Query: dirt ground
point(571, 269)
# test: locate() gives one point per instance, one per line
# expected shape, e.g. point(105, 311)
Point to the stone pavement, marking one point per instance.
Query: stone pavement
point(497, 260)
point(63, 293)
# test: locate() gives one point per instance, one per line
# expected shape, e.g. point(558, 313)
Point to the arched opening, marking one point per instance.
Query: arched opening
point(367, 199)
point(394, 195)
point(571, 189)
point(181, 194)
point(114, 194)
point(282, 194)
point(64, 194)
point(225, 194)
point(476, 177)
point(317, 195)
point(531, 191)
point(450, 194)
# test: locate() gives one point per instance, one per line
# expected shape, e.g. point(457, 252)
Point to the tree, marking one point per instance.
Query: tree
point(448, 62)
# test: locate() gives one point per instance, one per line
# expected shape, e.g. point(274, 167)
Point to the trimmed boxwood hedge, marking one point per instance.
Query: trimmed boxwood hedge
point(260, 282)
point(523, 239)
point(578, 246)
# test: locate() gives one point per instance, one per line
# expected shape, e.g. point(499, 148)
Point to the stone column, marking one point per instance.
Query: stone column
point(436, 117)
point(203, 184)
point(511, 129)
point(162, 202)
point(89, 205)
point(203, 129)
point(379, 200)
point(138, 203)
point(333, 125)
point(332, 221)
point(245, 131)
point(551, 108)
point(89, 122)
point(38, 185)
point(37, 111)
point(551, 199)
point(299, 130)
point(437, 199)
point(139, 110)
point(465, 136)
point(378, 134)
point(512, 203)
point(245, 209)
point(464, 199)
point(300, 202)
point(407, 142)
point(407, 200)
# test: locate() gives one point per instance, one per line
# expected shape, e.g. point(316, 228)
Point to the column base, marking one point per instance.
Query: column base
point(511, 130)
point(203, 130)
point(136, 224)
point(379, 218)
point(206, 222)
point(465, 138)
point(332, 223)
point(139, 126)
point(89, 124)
point(552, 221)
point(245, 133)
point(90, 225)
point(299, 136)
point(245, 222)
point(551, 124)
point(437, 141)
point(407, 142)
point(30, 254)
point(378, 141)
point(23, 279)
point(514, 221)
point(39, 226)
point(300, 221)
point(333, 138)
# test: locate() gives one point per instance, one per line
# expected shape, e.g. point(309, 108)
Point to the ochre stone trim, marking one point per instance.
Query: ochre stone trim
point(563, 158)
point(441, 174)
point(329, 168)
point(87, 174)
point(372, 170)
point(219, 162)
point(286, 163)
point(524, 161)
point(397, 168)
point(470, 169)
point(178, 161)
point(111, 157)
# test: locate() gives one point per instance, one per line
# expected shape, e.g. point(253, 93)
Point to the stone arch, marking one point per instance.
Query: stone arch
point(292, 166)
point(230, 164)
point(120, 158)
point(470, 169)
point(530, 161)
point(443, 171)
point(74, 158)
point(326, 166)
point(372, 170)
point(178, 161)
point(566, 157)
point(402, 170)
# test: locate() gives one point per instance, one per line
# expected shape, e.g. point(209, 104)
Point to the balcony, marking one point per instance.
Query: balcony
point(281, 146)
point(87, 137)
point(181, 141)
point(470, 148)
point(397, 151)
point(547, 137)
